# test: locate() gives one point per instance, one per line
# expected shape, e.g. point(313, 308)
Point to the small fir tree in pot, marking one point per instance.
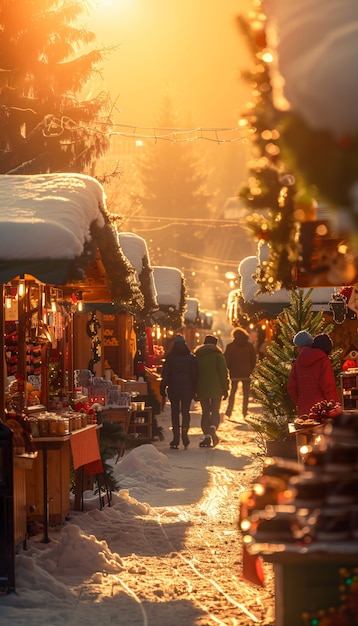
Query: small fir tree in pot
point(270, 377)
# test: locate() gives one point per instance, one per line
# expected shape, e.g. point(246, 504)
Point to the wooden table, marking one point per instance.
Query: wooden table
point(60, 475)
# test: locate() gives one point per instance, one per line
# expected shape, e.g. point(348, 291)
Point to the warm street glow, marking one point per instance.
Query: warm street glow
point(113, 3)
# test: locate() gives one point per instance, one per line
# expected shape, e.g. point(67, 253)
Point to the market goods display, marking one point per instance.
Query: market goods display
point(319, 414)
point(303, 504)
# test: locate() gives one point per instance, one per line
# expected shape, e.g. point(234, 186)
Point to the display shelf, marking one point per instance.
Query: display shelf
point(141, 426)
point(349, 390)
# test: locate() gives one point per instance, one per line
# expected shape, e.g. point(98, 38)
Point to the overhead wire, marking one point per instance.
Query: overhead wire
point(54, 126)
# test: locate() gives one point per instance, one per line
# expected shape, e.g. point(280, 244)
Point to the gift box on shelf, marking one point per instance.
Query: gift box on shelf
point(136, 388)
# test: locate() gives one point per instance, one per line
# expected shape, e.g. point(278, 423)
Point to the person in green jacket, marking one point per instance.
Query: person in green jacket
point(212, 386)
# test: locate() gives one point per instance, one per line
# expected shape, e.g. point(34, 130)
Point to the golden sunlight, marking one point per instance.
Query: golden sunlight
point(114, 4)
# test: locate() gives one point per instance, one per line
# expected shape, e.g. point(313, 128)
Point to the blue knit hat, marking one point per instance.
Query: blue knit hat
point(303, 339)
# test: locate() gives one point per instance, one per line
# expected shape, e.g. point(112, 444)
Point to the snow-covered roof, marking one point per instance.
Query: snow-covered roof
point(55, 227)
point(135, 249)
point(320, 296)
point(192, 309)
point(48, 216)
point(168, 283)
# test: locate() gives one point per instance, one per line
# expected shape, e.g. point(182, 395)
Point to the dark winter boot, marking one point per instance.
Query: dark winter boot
point(206, 443)
point(185, 438)
point(174, 444)
point(214, 436)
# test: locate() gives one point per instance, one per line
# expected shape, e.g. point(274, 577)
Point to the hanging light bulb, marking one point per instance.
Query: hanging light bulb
point(79, 298)
point(21, 291)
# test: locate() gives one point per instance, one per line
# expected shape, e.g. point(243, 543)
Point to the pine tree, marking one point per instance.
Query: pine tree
point(45, 126)
point(173, 176)
point(174, 182)
point(270, 377)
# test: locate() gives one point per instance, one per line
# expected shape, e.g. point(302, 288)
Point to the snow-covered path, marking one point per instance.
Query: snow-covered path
point(166, 552)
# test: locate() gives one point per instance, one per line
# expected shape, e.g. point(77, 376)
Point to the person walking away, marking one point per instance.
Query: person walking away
point(240, 356)
point(213, 385)
point(179, 379)
point(312, 379)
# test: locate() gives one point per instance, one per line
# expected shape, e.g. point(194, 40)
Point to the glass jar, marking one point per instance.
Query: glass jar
point(52, 426)
point(34, 426)
point(43, 426)
point(63, 426)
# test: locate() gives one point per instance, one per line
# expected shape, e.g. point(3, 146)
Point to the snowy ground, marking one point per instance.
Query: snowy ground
point(166, 552)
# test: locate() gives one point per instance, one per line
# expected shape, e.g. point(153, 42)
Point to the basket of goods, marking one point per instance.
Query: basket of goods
point(319, 414)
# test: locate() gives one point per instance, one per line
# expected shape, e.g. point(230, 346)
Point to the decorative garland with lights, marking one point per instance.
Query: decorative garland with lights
point(281, 230)
point(121, 275)
point(93, 326)
point(283, 143)
point(270, 188)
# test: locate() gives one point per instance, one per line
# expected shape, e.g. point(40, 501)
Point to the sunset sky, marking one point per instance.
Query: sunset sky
point(192, 45)
point(195, 48)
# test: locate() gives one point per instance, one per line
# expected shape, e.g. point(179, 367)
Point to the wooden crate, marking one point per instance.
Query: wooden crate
point(120, 415)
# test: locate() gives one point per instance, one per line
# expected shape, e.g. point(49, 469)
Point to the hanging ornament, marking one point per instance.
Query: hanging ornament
point(349, 293)
point(353, 300)
point(338, 306)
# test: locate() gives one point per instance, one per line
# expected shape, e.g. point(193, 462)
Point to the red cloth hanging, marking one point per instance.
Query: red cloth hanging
point(84, 447)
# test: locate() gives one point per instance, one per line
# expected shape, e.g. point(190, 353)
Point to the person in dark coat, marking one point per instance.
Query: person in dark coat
point(240, 357)
point(179, 379)
point(312, 379)
point(213, 385)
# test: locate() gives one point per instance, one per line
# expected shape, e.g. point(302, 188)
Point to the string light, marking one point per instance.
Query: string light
point(55, 126)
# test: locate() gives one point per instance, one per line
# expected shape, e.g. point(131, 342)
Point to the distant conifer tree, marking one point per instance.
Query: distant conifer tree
point(45, 62)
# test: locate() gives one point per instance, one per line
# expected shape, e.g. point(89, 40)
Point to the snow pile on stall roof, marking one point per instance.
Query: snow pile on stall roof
point(192, 309)
point(134, 248)
point(316, 45)
point(48, 216)
point(168, 283)
point(249, 287)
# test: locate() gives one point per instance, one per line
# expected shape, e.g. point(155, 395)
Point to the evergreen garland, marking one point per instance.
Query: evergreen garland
point(121, 275)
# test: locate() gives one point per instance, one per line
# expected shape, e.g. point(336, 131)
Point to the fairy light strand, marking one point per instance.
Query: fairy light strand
point(56, 126)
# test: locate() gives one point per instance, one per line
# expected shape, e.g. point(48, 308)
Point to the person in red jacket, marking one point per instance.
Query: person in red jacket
point(312, 379)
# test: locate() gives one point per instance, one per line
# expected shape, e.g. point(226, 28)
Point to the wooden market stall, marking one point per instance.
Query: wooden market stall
point(58, 251)
point(122, 332)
